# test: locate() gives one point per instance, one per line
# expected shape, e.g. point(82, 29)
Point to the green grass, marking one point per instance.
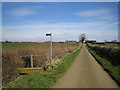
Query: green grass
point(16, 46)
point(113, 70)
point(44, 79)
point(114, 45)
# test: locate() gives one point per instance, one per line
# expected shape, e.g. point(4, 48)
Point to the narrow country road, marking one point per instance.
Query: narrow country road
point(85, 72)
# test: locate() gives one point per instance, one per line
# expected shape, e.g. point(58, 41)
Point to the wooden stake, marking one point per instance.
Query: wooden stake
point(31, 61)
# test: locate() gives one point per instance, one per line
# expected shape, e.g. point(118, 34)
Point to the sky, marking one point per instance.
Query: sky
point(30, 21)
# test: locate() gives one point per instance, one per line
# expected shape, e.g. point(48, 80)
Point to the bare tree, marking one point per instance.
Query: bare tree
point(82, 38)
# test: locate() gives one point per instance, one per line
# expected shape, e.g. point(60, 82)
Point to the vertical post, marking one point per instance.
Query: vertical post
point(57, 58)
point(50, 46)
point(31, 57)
point(48, 60)
point(51, 49)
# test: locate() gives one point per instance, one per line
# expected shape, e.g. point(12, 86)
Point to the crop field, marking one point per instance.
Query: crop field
point(14, 46)
point(12, 54)
point(38, 48)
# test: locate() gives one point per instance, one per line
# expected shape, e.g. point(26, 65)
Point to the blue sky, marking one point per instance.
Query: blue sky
point(66, 20)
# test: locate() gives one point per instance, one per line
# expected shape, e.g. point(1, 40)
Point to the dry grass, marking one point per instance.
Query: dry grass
point(10, 62)
point(11, 56)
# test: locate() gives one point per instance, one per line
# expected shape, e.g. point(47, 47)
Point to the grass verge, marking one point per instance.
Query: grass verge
point(114, 71)
point(44, 79)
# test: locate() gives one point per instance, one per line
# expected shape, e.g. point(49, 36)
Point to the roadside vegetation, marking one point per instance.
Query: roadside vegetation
point(12, 52)
point(108, 44)
point(109, 59)
point(44, 79)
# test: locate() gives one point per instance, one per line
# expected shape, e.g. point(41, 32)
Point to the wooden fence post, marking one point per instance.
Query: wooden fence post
point(48, 60)
point(31, 58)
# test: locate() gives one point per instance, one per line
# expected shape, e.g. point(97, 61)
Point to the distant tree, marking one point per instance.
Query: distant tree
point(106, 41)
point(82, 38)
point(6, 41)
point(114, 41)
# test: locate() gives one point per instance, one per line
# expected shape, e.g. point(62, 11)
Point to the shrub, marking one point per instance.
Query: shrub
point(10, 62)
point(111, 53)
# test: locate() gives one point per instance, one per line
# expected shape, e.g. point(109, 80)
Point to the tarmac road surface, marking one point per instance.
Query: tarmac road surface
point(85, 72)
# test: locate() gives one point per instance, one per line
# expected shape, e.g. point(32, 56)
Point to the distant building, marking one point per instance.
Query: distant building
point(90, 41)
point(101, 43)
point(70, 41)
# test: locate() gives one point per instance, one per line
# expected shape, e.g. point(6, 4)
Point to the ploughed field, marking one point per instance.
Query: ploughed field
point(17, 55)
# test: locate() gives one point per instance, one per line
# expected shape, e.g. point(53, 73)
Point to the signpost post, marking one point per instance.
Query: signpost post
point(50, 46)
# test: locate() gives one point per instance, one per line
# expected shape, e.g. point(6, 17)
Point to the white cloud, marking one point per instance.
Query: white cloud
point(65, 26)
point(21, 12)
point(61, 31)
point(89, 13)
